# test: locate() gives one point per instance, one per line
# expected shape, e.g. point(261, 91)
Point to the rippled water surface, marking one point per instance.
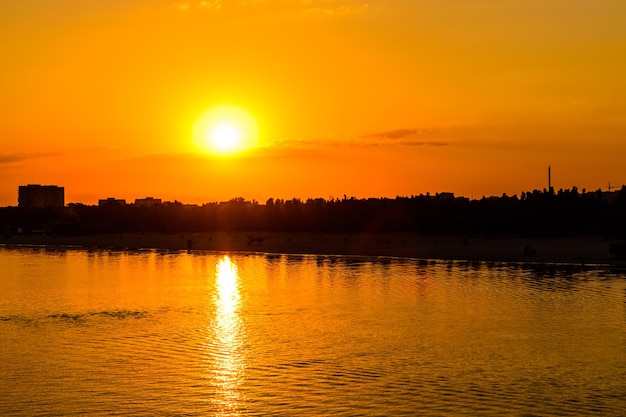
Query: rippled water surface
point(196, 334)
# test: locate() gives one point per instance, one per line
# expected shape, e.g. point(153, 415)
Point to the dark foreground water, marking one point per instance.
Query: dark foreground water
point(204, 334)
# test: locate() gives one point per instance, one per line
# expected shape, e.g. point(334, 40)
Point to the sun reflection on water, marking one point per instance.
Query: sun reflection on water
point(228, 338)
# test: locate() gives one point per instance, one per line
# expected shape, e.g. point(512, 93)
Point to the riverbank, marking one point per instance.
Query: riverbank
point(578, 250)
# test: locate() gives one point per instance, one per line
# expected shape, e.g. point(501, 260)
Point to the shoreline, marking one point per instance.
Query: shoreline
point(580, 250)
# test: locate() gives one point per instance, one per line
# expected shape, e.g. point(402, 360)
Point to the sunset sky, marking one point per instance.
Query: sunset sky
point(367, 98)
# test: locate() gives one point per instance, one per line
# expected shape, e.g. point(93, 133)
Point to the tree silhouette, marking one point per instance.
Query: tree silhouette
point(534, 213)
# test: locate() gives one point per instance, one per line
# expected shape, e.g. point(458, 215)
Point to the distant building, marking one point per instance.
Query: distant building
point(445, 196)
point(148, 201)
point(41, 196)
point(111, 200)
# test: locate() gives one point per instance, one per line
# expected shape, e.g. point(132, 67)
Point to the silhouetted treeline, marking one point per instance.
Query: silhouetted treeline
point(537, 213)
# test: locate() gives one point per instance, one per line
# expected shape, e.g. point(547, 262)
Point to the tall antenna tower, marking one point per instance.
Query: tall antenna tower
point(549, 179)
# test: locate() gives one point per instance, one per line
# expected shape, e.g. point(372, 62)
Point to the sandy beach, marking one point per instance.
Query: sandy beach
point(586, 250)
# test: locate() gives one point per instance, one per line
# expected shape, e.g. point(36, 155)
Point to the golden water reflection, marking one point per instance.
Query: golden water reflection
point(227, 338)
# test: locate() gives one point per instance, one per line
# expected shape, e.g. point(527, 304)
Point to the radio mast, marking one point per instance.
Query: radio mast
point(549, 180)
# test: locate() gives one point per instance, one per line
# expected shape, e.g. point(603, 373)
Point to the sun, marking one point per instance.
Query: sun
point(225, 130)
point(225, 137)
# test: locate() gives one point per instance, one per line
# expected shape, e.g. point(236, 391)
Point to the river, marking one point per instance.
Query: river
point(151, 333)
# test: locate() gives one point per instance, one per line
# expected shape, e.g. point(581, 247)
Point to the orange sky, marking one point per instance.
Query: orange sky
point(367, 98)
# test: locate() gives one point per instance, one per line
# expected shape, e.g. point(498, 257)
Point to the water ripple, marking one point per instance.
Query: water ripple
point(192, 335)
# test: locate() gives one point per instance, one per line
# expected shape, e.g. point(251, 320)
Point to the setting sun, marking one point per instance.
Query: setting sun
point(225, 130)
point(225, 137)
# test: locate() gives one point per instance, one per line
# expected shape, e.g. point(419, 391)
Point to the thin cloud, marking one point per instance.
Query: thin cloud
point(19, 157)
point(301, 148)
point(214, 5)
point(295, 143)
point(8, 159)
point(424, 143)
point(335, 9)
point(397, 137)
point(405, 137)
point(397, 134)
point(409, 143)
point(319, 7)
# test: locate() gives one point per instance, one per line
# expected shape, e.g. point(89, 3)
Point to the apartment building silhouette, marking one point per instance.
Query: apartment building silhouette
point(40, 196)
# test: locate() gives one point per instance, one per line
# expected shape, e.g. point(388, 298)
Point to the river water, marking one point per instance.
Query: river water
point(151, 333)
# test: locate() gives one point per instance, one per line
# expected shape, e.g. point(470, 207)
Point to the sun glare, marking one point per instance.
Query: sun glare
point(225, 130)
point(225, 137)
